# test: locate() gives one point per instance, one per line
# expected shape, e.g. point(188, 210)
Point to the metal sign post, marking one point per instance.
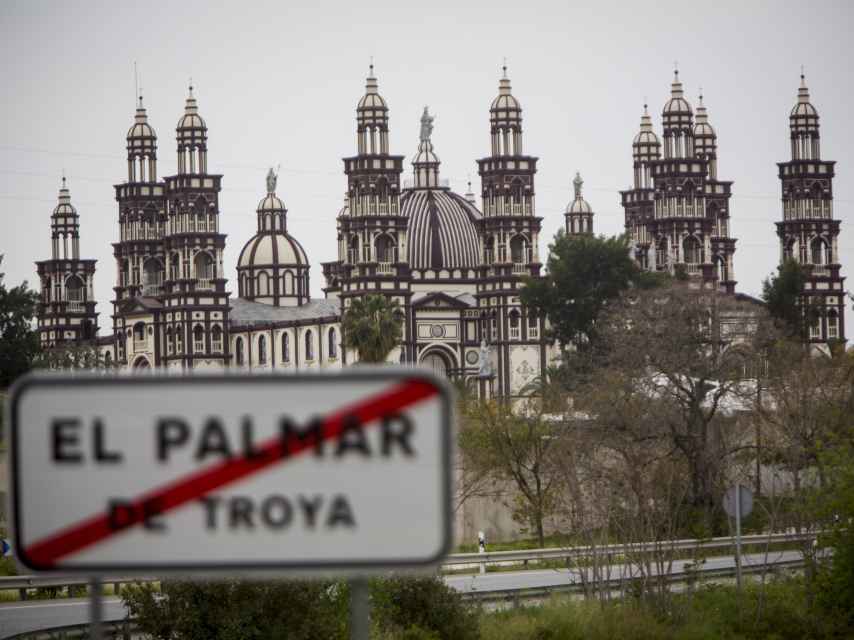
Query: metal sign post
point(738, 503)
point(360, 609)
point(96, 608)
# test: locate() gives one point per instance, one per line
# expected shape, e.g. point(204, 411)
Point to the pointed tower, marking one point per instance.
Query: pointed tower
point(372, 231)
point(509, 242)
point(677, 211)
point(66, 311)
point(579, 214)
point(639, 201)
point(718, 193)
point(808, 232)
point(195, 300)
point(139, 252)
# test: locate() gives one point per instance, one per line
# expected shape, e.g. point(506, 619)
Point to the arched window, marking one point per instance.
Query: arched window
point(519, 250)
point(693, 252)
point(204, 264)
point(721, 269)
point(263, 288)
point(832, 324)
point(533, 325)
point(309, 345)
point(74, 292)
point(198, 339)
point(216, 339)
point(262, 349)
point(818, 252)
point(289, 283)
point(152, 277)
point(384, 246)
point(333, 340)
point(514, 325)
point(108, 359)
point(170, 342)
point(286, 347)
point(790, 250)
point(238, 351)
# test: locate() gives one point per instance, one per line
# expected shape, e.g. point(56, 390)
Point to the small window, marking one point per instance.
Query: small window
point(198, 339)
point(216, 339)
point(262, 350)
point(309, 345)
point(286, 347)
point(238, 351)
point(333, 346)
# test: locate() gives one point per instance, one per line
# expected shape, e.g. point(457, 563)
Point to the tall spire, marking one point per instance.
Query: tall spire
point(803, 91)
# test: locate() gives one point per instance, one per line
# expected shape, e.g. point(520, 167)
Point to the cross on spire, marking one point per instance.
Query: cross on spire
point(504, 68)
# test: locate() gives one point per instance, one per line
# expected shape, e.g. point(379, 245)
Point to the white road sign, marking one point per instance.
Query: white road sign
point(218, 472)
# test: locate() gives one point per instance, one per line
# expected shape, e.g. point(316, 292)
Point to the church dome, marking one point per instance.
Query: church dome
point(191, 118)
point(272, 245)
point(803, 108)
point(442, 230)
point(268, 249)
point(270, 202)
point(702, 128)
point(64, 209)
point(677, 105)
point(578, 204)
point(140, 130)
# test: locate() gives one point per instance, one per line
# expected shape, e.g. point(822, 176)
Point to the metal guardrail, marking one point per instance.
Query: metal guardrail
point(61, 581)
point(493, 557)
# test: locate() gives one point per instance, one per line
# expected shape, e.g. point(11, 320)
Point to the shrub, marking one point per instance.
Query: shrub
point(419, 605)
point(235, 610)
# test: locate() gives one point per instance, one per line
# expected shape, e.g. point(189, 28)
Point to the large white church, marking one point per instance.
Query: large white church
point(455, 269)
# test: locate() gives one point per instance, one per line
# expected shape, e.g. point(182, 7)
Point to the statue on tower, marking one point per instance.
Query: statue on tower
point(577, 184)
point(426, 125)
point(271, 181)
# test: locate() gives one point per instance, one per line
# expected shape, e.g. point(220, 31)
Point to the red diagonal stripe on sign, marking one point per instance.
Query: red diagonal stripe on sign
point(46, 552)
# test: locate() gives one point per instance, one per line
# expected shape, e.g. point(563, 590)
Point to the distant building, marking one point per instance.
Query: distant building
point(808, 232)
point(677, 211)
point(66, 310)
point(455, 270)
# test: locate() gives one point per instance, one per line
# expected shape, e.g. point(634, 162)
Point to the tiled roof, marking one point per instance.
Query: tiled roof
point(245, 313)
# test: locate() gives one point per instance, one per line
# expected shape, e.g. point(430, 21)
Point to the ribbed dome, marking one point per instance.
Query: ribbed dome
point(803, 107)
point(579, 204)
point(646, 136)
point(64, 209)
point(702, 128)
point(505, 109)
point(272, 249)
point(371, 110)
point(677, 103)
point(140, 130)
point(270, 202)
point(191, 118)
point(442, 230)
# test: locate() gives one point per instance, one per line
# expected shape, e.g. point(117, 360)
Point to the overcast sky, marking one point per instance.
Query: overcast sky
point(278, 82)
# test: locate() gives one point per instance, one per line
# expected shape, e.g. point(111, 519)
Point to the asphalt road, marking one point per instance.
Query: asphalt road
point(21, 617)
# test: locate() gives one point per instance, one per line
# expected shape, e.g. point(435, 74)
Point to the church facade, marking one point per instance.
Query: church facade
point(454, 268)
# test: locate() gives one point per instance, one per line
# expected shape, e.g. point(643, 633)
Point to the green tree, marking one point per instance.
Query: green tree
point(514, 446)
point(373, 327)
point(584, 274)
point(783, 292)
point(19, 342)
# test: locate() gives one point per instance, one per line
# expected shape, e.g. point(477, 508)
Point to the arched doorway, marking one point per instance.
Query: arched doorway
point(436, 362)
point(141, 364)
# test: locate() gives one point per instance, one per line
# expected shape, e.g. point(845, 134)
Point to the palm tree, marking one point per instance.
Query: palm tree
point(372, 326)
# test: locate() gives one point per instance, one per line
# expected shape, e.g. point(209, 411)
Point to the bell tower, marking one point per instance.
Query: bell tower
point(372, 231)
point(808, 231)
point(66, 310)
point(195, 300)
point(509, 242)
